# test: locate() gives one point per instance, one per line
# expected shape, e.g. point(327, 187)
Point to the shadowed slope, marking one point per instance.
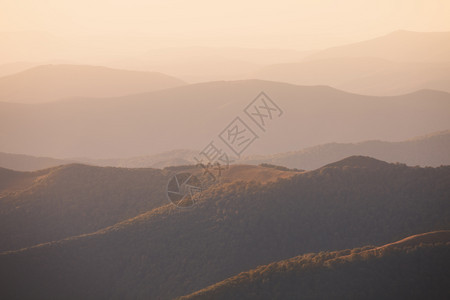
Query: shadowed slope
point(169, 252)
point(366, 273)
point(55, 203)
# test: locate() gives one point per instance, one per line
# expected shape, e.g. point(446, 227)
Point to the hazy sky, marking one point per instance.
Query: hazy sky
point(301, 24)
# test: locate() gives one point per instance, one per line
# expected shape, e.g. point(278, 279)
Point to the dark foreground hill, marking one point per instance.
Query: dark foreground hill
point(55, 203)
point(236, 226)
point(414, 268)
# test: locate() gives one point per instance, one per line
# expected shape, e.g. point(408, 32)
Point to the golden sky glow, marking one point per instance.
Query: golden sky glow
point(301, 24)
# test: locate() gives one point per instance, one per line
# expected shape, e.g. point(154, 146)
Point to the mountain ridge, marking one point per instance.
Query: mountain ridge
point(191, 119)
point(421, 150)
point(362, 75)
point(46, 83)
point(412, 46)
point(235, 227)
point(287, 273)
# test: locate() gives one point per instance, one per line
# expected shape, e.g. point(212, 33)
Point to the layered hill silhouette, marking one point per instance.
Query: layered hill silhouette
point(361, 273)
point(20, 162)
point(235, 226)
point(398, 63)
point(160, 160)
point(55, 82)
point(401, 45)
point(189, 117)
point(362, 75)
point(429, 150)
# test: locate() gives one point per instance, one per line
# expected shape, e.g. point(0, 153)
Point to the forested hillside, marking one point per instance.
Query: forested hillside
point(360, 273)
point(56, 203)
point(236, 226)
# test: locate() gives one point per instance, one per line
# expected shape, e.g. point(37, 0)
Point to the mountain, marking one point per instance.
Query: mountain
point(401, 78)
point(64, 201)
point(234, 227)
point(429, 150)
point(55, 203)
point(54, 82)
point(20, 162)
point(362, 273)
point(362, 75)
point(401, 46)
point(159, 160)
point(398, 63)
point(190, 117)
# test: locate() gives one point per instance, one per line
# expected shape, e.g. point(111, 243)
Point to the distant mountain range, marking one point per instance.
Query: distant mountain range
point(20, 162)
point(189, 117)
point(398, 63)
point(55, 82)
point(349, 274)
point(236, 226)
point(401, 46)
point(362, 75)
point(430, 150)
